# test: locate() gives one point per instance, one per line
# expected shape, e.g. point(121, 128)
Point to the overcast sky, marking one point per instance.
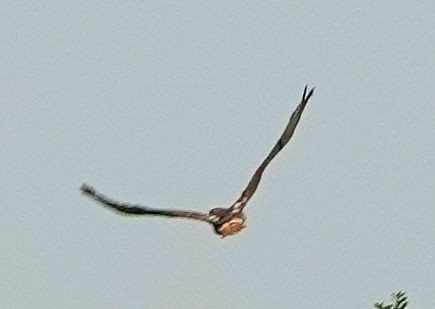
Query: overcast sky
point(174, 104)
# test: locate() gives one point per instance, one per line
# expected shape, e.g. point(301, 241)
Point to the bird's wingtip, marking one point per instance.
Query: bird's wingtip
point(87, 189)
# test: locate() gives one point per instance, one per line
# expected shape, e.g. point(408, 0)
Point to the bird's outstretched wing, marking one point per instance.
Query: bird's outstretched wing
point(135, 209)
point(283, 140)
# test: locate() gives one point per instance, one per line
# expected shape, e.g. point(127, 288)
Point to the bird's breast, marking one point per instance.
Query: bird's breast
point(231, 227)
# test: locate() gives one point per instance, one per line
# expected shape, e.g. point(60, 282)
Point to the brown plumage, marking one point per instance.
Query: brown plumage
point(225, 221)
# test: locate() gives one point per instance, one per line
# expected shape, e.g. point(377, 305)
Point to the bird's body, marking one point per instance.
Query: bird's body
point(225, 221)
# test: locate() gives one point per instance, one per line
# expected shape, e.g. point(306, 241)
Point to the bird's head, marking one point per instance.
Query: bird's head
point(227, 221)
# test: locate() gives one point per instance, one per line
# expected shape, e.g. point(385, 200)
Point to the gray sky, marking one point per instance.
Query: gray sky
point(174, 104)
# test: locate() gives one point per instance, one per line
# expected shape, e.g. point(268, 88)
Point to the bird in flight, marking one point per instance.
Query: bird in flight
point(225, 221)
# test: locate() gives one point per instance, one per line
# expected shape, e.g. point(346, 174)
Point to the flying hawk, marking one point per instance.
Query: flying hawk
point(225, 221)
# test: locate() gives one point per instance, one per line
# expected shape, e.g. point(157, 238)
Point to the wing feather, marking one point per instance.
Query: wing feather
point(136, 209)
point(282, 141)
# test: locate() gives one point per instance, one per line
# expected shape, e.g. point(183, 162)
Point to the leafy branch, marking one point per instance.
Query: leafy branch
point(400, 302)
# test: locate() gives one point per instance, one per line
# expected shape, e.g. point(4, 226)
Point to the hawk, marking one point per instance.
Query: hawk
point(225, 221)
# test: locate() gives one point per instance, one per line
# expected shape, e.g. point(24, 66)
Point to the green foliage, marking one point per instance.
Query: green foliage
point(400, 302)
